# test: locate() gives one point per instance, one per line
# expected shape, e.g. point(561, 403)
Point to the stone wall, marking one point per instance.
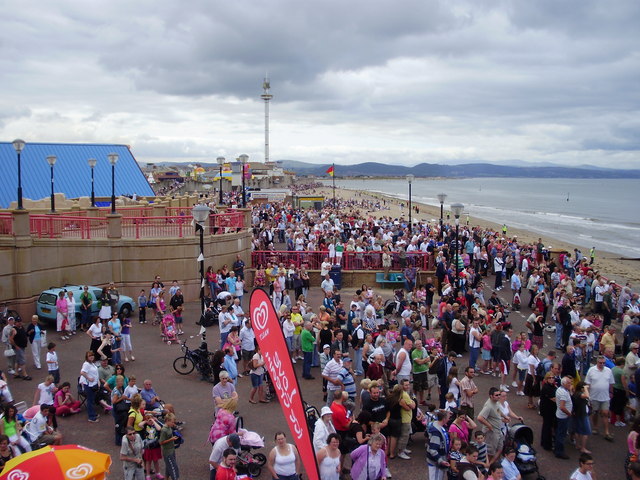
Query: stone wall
point(31, 265)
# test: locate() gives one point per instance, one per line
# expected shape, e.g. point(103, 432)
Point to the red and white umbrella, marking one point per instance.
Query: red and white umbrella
point(60, 462)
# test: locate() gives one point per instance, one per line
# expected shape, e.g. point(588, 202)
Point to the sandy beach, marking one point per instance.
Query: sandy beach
point(608, 264)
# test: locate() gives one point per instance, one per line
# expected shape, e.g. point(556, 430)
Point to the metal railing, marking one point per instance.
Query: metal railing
point(178, 211)
point(127, 211)
point(350, 260)
point(157, 227)
point(228, 222)
point(67, 226)
point(6, 224)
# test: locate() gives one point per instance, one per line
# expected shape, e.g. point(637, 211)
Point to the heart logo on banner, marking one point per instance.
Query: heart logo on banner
point(18, 475)
point(81, 471)
point(260, 316)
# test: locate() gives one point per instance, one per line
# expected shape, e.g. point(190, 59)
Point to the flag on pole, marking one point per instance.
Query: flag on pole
point(330, 171)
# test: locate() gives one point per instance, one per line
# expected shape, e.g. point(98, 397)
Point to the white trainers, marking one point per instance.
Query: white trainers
point(293, 360)
point(514, 384)
point(404, 456)
point(504, 388)
point(620, 424)
point(520, 394)
point(407, 451)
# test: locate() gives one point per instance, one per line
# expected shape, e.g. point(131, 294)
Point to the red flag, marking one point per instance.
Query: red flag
point(268, 332)
point(330, 171)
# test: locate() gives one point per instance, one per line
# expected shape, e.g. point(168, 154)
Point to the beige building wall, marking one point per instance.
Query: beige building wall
point(30, 265)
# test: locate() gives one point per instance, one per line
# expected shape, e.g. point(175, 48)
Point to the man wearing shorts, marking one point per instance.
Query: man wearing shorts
point(492, 419)
point(420, 360)
point(600, 380)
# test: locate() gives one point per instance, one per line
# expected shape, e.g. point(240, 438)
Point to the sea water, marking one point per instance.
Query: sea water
point(582, 212)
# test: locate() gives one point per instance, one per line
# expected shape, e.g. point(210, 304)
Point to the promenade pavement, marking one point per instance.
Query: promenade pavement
point(193, 403)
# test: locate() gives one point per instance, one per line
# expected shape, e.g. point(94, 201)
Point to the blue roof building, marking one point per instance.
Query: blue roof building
point(72, 174)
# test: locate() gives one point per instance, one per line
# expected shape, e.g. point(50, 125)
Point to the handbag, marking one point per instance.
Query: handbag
point(9, 352)
point(43, 338)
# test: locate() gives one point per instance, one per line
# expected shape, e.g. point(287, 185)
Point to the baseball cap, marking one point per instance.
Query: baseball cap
point(326, 345)
point(346, 359)
point(234, 440)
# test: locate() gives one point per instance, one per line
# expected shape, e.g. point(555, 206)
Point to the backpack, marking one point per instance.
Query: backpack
point(541, 370)
point(435, 366)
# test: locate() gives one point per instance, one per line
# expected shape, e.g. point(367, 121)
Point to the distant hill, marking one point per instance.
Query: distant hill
point(373, 169)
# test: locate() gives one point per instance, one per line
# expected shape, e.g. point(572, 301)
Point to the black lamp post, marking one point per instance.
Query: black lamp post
point(442, 197)
point(457, 209)
point(200, 214)
point(220, 161)
point(18, 145)
point(113, 159)
point(51, 160)
point(244, 159)
point(92, 163)
point(410, 178)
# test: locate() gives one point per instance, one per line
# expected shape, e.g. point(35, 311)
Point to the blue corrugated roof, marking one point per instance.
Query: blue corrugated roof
point(72, 172)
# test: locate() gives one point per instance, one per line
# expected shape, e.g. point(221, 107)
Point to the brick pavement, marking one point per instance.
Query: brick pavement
point(192, 399)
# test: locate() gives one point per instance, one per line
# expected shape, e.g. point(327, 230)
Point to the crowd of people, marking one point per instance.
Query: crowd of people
point(390, 368)
point(583, 384)
point(145, 428)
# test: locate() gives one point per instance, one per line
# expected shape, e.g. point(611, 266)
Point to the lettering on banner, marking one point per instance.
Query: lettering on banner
point(281, 382)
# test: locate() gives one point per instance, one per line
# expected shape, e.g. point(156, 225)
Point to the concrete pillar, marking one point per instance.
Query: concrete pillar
point(159, 210)
point(22, 228)
point(114, 227)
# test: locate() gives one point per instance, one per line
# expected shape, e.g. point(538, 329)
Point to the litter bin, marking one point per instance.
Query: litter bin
point(336, 275)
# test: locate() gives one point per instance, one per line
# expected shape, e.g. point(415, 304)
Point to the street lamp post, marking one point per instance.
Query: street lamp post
point(200, 214)
point(410, 178)
point(18, 145)
point(457, 209)
point(92, 164)
point(220, 161)
point(113, 159)
point(244, 159)
point(442, 197)
point(51, 160)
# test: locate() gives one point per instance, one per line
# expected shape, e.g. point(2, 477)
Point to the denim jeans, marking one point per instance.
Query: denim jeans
point(357, 361)
point(558, 335)
point(562, 425)
point(91, 402)
point(474, 352)
point(306, 364)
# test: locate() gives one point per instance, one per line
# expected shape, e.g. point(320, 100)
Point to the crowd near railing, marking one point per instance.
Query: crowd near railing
point(349, 261)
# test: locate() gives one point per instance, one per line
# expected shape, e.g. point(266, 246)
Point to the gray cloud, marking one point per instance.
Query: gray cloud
point(411, 82)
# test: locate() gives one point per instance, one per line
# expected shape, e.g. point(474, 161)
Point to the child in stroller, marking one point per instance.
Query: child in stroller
point(169, 330)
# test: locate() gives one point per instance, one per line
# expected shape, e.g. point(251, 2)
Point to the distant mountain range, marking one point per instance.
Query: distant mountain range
point(373, 169)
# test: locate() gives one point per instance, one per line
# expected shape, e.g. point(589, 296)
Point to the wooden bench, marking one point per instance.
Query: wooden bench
point(393, 278)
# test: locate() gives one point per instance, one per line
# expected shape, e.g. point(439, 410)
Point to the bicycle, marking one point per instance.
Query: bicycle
point(199, 359)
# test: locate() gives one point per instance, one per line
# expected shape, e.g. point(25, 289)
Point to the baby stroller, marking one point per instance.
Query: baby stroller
point(169, 330)
point(248, 462)
point(520, 437)
point(395, 305)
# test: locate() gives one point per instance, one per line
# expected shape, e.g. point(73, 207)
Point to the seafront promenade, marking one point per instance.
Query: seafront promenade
point(193, 404)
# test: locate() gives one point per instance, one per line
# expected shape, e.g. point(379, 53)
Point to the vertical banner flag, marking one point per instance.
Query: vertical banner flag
point(268, 332)
point(330, 171)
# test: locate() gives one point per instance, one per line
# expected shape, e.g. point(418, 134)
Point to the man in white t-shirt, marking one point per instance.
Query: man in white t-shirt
point(600, 380)
point(585, 469)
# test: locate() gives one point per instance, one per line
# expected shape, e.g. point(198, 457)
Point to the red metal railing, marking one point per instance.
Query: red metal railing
point(6, 224)
point(350, 260)
point(178, 211)
point(127, 211)
point(64, 226)
point(227, 222)
point(157, 227)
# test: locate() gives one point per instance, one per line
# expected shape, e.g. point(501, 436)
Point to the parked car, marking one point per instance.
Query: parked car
point(46, 304)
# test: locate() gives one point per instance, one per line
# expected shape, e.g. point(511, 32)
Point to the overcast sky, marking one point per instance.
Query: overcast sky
point(398, 82)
